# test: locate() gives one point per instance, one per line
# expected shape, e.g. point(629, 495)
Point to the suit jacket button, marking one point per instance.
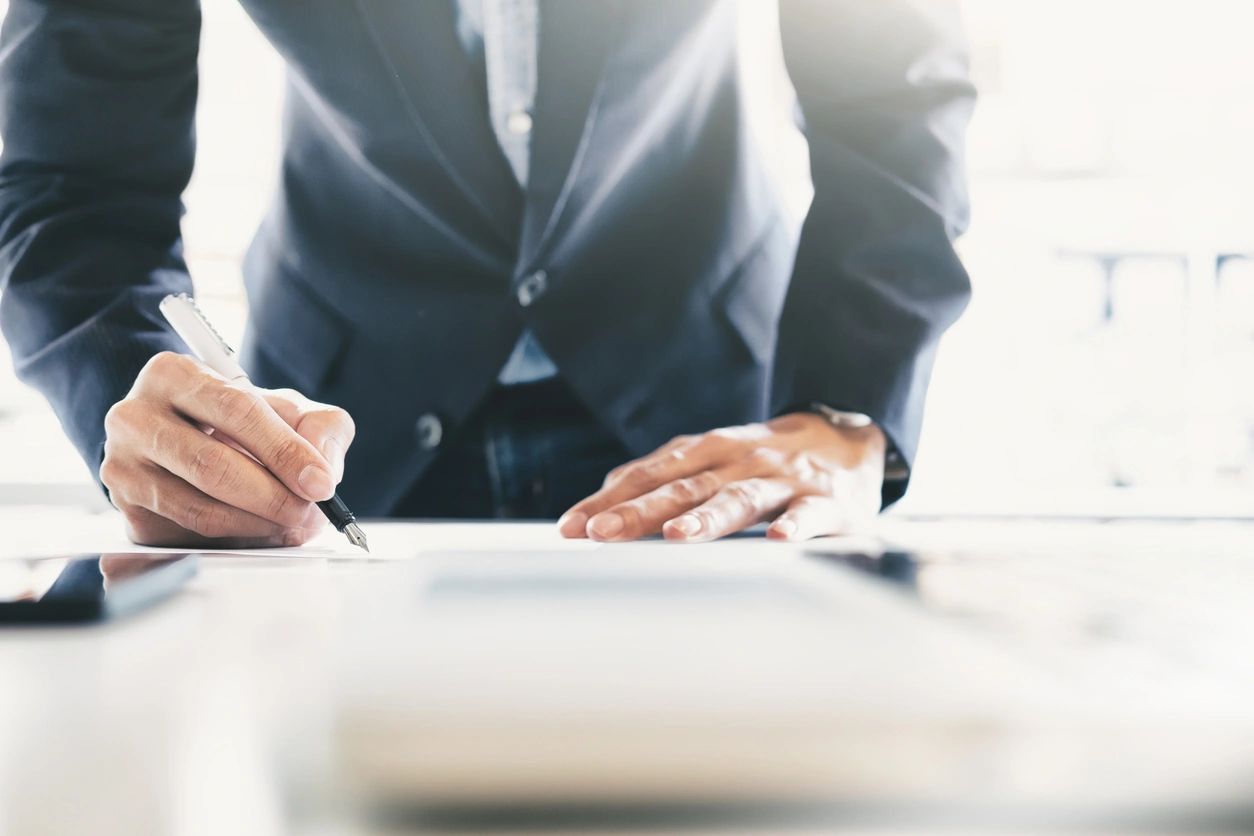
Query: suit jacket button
point(532, 287)
point(430, 431)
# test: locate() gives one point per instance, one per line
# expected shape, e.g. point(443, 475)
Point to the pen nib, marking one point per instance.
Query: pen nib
point(356, 537)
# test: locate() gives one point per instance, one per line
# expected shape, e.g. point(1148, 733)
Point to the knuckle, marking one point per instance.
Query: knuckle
point(708, 517)
point(206, 519)
point(162, 505)
point(739, 435)
point(673, 457)
point(341, 417)
point(634, 516)
point(766, 458)
point(658, 469)
point(242, 409)
point(637, 475)
point(690, 489)
point(285, 508)
point(744, 495)
point(163, 363)
point(708, 481)
point(192, 517)
point(721, 441)
point(159, 440)
point(646, 474)
point(816, 481)
point(111, 471)
point(286, 456)
point(804, 462)
point(119, 416)
point(208, 466)
point(328, 421)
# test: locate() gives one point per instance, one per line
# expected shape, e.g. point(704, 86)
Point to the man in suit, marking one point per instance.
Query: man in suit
point(522, 243)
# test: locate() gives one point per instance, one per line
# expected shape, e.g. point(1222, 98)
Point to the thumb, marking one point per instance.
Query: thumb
point(328, 428)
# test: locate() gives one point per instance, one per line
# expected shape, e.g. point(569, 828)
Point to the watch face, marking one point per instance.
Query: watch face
point(850, 420)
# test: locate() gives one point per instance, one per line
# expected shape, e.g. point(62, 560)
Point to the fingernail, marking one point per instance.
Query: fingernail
point(687, 525)
point(333, 450)
point(605, 526)
point(573, 524)
point(786, 528)
point(316, 483)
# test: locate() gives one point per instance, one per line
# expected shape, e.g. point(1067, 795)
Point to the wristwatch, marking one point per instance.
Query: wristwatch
point(895, 469)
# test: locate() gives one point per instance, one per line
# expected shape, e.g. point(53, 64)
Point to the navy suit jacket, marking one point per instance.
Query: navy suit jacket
point(385, 277)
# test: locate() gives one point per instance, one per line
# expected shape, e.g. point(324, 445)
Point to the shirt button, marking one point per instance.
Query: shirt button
point(430, 431)
point(518, 122)
point(532, 288)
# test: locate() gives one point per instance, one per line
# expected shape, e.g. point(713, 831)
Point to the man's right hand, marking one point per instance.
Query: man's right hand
point(192, 459)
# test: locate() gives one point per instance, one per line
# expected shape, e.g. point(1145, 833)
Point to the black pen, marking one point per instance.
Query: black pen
point(203, 339)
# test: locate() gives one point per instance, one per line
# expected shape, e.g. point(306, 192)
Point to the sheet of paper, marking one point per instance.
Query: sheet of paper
point(50, 531)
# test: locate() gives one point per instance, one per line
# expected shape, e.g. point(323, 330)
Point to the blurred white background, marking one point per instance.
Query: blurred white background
point(1106, 364)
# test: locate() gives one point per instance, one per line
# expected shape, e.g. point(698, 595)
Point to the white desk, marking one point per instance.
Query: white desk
point(209, 713)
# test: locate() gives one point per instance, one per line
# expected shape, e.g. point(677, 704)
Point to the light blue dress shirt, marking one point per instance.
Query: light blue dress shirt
point(505, 33)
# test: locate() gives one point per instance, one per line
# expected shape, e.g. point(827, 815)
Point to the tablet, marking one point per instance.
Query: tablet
point(88, 587)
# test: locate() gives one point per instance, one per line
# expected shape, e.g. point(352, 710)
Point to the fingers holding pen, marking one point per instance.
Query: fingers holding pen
point(157, 428)
point(240, 411)
point(191, 457)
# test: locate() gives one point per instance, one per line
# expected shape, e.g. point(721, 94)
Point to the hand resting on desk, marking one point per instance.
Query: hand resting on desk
point(806, 475)
point(192, 459)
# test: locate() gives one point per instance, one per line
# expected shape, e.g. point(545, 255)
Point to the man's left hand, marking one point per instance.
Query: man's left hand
point(806, 476)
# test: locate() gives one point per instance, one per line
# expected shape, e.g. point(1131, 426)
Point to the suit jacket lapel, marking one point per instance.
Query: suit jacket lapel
point(575, 39)
point(447, 103)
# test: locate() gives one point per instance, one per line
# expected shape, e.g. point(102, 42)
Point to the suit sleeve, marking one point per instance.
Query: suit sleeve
point(97, 107)
point(885, 98)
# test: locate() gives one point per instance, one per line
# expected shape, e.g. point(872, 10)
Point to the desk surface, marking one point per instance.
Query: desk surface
point(208, 714)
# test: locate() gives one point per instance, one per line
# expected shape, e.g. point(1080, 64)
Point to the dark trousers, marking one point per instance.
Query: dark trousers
point(529, 452)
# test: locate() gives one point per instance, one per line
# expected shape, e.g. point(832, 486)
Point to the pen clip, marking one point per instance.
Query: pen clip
point(205, 321)
point(190, 323)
